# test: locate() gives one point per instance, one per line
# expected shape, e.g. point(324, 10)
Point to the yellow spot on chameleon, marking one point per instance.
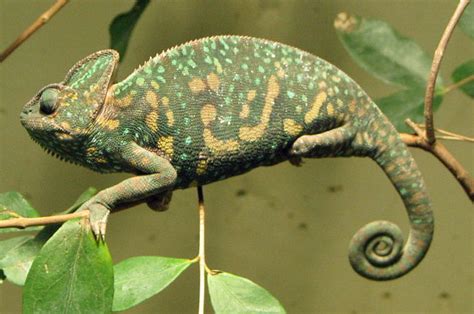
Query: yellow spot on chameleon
point(152, 99)
point(291, 127)
point(213, 82)
point(280, 71)
point(165, 144)
point(165, 100)
point(246, 107)
point(208, 114)
point(196, 85)
point(330, 109)
point(155, 85)
point(170, 117)
point(253, 133)
point(315, 107)
point(219, 146)
point(65, 125)
point(151, 121)
point(91, 150)
point(110, 124)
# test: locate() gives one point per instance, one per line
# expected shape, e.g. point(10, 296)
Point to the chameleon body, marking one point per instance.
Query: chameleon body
point(218, 107)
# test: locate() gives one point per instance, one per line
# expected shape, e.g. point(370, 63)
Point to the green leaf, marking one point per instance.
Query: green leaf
point(122, 26)
point(383, 52)
point(466, 23)
point(72, 274)
point(12, 205)
point(138, 278)
point(17, 261)
point(463, 72)
point(406, 104)
point(233, 294)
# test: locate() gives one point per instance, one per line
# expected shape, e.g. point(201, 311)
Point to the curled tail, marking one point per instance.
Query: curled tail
point(377, 250)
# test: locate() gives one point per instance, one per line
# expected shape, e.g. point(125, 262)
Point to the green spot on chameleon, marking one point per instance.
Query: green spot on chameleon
point(290, 94)
point(206, 49)
point(183, 156)
point(208, 60)
point(161, 79)
point(133, 92)
point(147, 70)
point(161, 69)
point(261, 69)
point(228, 60)
point(192, 64)
point(183, 105)
point(186, 121)
point(267, 60)
point(244, 66)
point(257, 81)
point(213, 45)
point(174, 62)
point(140, 81)
point(222, 52)
point(188, 140)
point(304, 98)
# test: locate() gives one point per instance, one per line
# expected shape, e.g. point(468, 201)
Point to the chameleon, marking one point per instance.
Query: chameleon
point(217, 107)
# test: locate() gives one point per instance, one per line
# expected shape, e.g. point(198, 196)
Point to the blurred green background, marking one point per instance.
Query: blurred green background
point(283, 227)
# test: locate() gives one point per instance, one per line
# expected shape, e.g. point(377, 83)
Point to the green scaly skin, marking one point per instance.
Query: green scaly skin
point(218, 107)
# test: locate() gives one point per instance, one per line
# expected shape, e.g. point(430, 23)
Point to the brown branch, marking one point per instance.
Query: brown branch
point(438, 56)
point(43, 19)
point(439, 151)
point(24, 222)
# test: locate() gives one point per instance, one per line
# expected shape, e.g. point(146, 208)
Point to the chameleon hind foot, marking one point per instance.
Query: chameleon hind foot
point(159, 202)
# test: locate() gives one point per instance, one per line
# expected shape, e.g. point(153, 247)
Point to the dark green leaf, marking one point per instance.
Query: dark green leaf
point(467, 20)
point(465, 72)
point(405, 104)
point(122, 26)
point(383, 52)
point(233, 294)
point(72, 274)
point(13, 205)
point(138, 278)
point(17, 261)
point(85, 196)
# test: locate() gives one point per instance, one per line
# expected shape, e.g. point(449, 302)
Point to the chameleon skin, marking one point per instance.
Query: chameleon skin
point(218, 107)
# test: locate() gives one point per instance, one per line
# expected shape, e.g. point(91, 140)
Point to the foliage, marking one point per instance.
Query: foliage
point(396, 59)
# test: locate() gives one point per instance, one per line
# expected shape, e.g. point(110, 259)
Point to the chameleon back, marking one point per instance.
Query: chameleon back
point(220, 106)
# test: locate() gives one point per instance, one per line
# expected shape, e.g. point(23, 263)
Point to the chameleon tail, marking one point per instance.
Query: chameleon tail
point(377, 251)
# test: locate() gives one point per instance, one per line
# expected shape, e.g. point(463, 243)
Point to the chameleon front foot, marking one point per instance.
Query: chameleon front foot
point(98, 217)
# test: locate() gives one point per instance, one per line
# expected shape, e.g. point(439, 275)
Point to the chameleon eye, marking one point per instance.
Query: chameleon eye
point(49, 101)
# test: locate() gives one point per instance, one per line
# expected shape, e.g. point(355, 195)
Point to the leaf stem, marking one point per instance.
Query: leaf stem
point(438, 56)
point(43, 19)
point(23, 222)
point(202, 255)
point(456, 85)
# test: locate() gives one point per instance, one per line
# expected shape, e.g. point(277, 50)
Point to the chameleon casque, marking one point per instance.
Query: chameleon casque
point(217, 107)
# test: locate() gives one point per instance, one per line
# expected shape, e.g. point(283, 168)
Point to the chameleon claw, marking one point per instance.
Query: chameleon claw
point(98, 217)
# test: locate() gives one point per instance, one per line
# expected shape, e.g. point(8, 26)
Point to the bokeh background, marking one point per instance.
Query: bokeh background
point(285, 228)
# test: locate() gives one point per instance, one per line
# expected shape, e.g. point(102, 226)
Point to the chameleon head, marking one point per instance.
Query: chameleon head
point(60, 115)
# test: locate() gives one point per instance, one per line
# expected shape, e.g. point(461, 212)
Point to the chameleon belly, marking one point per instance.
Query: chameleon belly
point(218, 107)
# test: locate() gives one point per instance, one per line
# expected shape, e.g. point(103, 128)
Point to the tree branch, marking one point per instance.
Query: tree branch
point(24, 222)
point(439, 151)
point(202, 255)
point(438, 56)
point(43, 19)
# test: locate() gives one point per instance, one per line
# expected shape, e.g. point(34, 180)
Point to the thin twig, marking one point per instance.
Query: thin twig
point(439, 150)
point(450, 135)
point(202, 255)
point(43, 19)
point(25, 222)
point(438, 56)
point(456, 85)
